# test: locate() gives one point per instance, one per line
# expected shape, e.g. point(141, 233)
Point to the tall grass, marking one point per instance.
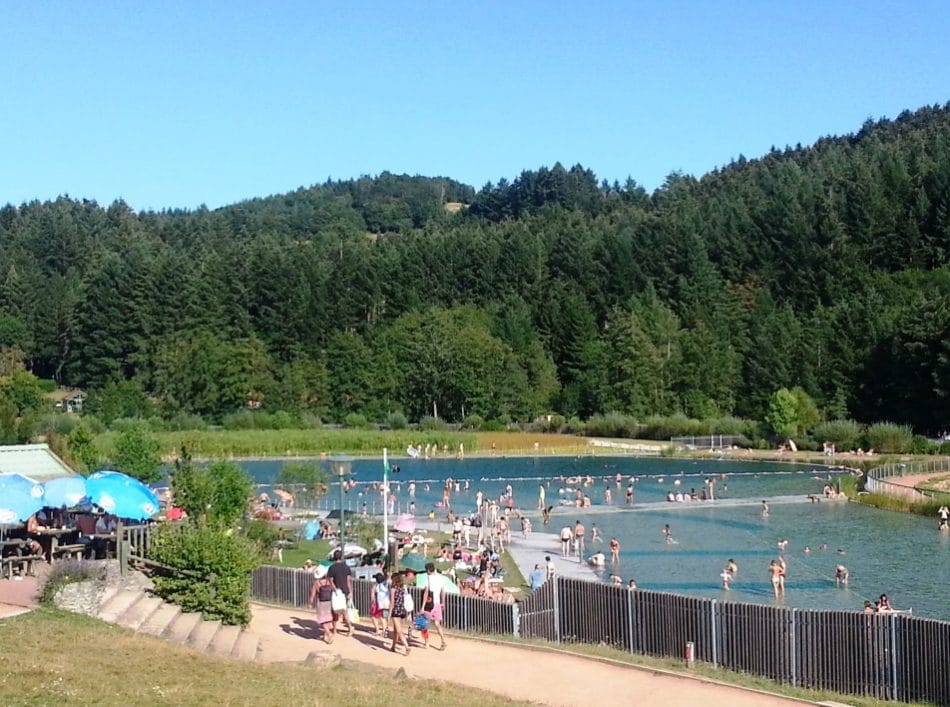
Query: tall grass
point(307, 443)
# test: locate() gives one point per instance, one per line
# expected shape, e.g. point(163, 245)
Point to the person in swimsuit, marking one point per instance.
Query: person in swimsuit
point(775, 570)
point(614, 550)
point(732, 567)
point(668, 533)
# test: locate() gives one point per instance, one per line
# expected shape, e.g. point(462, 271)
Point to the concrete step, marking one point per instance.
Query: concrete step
point(224, 640)
point(179, 629)
point(119, 604)
point(106, 596)
point(246, 646)
point(139, 612)
point(158, 622)
point(203, 634)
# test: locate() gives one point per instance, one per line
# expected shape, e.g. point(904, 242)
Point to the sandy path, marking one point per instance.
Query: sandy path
point(543, 677)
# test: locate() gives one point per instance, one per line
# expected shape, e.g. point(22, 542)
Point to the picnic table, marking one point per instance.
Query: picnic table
point(58, 542)
point(16, 553)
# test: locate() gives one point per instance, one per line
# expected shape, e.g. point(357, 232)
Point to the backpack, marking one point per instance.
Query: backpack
point(325, 593)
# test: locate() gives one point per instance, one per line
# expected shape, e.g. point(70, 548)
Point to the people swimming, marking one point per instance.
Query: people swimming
point(841, 575)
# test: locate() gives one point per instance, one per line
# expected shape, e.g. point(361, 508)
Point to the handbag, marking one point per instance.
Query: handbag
point(353, 613)
point(338, 600)
point(409, 603)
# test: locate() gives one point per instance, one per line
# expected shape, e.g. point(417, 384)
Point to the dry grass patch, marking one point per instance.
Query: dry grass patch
point(51, 657)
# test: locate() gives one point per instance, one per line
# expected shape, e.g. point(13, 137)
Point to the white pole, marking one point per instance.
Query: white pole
point(386, 502)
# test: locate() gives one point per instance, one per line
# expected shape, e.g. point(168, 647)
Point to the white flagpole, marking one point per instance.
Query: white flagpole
point(386, 502)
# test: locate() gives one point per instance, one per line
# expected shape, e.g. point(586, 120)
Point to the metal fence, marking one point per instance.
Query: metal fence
point(707, 441)
point(884, 656)
point(876, 479)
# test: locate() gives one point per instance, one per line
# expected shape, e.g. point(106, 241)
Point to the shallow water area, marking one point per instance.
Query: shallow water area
point(901, 555)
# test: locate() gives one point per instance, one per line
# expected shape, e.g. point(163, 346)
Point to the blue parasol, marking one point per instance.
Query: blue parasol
point(121, 495)
point(65, 491)
point(20, 497)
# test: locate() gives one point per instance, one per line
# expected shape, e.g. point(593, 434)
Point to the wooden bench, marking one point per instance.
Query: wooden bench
point(7, 563)
point(75, 551)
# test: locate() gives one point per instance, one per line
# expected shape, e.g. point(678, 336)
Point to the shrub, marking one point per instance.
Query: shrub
point(944, 448)
point(242, 420)
point(262, 533)
point(156, 424)
point(844, 434)
point(212, 571)
point(56, 424)
point(395, 421)
point(473, 422)
point(888, 438)
point(68, 572)
point(309, 421)
point(124, 424)
point(184, 421)
point(356, 421)
point(283, 420)
point(431, 423)
point(921, 445)
point(47, 385)
point(93, 424)
point(494, 426)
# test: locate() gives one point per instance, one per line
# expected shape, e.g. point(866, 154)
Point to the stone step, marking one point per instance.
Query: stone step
point(203, 634)
point(246, 646)
point(179, 629)
point(107, 594)
point(157, 623)
point(139, 612)
point(119, 604)
point(224, 640)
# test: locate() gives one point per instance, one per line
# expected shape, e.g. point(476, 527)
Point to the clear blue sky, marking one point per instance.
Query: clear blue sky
point(175, 104)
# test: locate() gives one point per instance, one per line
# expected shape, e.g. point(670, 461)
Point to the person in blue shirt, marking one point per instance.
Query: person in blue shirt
point(537, 576)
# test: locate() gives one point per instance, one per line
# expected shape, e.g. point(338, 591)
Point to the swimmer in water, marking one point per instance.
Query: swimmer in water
point(841, 575)
point(765, 508)
point(668, 533)
point(775, 570)
point(732, 567)
point(807, 550)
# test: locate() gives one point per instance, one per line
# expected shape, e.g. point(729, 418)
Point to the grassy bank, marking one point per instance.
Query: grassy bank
point(223, 444)
point(51, 657)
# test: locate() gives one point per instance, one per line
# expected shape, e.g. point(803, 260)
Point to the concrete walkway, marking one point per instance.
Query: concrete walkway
point(550, 678)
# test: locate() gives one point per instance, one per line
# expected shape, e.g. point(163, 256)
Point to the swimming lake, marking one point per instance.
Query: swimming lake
point(898, 554)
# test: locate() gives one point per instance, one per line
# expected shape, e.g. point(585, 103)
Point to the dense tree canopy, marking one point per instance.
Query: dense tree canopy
point(822, 268)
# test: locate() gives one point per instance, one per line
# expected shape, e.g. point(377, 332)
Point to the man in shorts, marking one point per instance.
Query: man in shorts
point(342, 578)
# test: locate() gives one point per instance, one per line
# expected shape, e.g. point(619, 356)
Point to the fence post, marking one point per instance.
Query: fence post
point(713, 619)
point(516, 620)
point(557, 611)
point(792, 653)
point(629, 619)
point(892, 623)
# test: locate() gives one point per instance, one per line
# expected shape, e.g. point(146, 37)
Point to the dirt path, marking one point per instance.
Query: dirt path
point(544, 677)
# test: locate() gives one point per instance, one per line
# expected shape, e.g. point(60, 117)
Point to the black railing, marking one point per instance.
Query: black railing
point(885, 656)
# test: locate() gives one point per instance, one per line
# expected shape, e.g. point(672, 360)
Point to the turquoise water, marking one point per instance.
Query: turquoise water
point(898, 554)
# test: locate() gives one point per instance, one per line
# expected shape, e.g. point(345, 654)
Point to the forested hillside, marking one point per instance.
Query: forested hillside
point(823, 267)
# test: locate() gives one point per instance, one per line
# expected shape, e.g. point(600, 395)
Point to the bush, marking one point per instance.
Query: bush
point(246, 420)
point(473, 422)
point(213, 574)
point(309, 421)
point(944, 448)
point(494, 426)
point(262, 533)
point(612, 424)
point(282, 420)
point(93, 424)
point(124, 424)
point(888, 438)
point(184, 421)
point(844, 434)
point(68, 572)
point(47, 385)
point(156, 424)
point(396, 421)
point(431, 423)
point(356, 421)
point(58, 424)
point(921, 445)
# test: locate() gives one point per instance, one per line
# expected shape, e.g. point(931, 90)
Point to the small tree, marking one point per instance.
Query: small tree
point(136, 453)
point(216, 494)
point(782, 417)
point(307, 477)
point(82, 447)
